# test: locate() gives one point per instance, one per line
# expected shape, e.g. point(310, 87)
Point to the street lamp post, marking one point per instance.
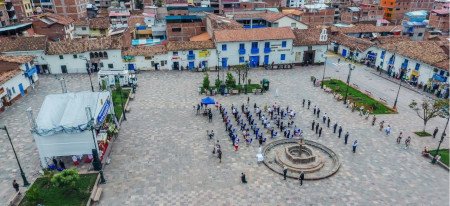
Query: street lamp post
point(440, 141)
point(24, 179)
point(350, 69)
point(398, 91)
point(323, 76)
point(96, 163)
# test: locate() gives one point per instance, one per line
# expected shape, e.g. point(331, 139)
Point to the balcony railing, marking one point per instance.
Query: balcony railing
point(255, 50)
point(241, 51)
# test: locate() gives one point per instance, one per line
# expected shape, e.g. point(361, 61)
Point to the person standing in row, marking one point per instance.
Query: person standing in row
point(407, 142)
point(328, 122)
point(315, 109)
point(243, 179)
point(346, 138)
point(320, 131)
point(303, 103)
point(435, 132)
point(285, 170)
point(317, 127)
point(381, 125)
point(16, 186)
point(301, 178)
point(312, 125)
point(399, 138)
point(339, 131)
point(318, 112)
point(373, 120)
point(324, 118)
point(309, 103)
point(334, 127)
point(219, 155)
point(355, 144)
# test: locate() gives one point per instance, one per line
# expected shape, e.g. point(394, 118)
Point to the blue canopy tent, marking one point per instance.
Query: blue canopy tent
point(208, 100)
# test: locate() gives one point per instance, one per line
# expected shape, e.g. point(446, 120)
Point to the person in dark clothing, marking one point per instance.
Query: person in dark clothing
point(309, 103)
point(210, 116)
point(243, 179)
point(55, 162)
point(260, 141)
point(334, 127)
point(320, 131)
point(301, 178)
point(16, 186)
point(62, 165)
point(340, 131)
point(219, 155)
point(328, 122)
point(314, 110)
point(285, 170)
point(346, 138)
point(435, 132)
point(303, 103)
point(318, 112)
point(312, 125)
point(248, 100)
point(317, 128)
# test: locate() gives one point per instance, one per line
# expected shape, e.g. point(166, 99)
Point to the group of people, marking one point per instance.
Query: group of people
point(206, 111)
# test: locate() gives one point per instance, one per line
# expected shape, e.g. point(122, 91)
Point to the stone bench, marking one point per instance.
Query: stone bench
point(234, 91)
point(131, 96)
point(97, 195)
point(127, 108)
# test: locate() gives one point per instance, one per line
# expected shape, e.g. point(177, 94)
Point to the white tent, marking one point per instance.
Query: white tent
point(62, 125)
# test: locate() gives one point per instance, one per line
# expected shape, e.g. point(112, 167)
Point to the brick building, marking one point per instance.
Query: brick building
point(4, 18)
point(76, 9)
point(181, 28)
point(364, 13)
point(394, 10)
point(54, 26)
point(439, 19)
point(318, 17)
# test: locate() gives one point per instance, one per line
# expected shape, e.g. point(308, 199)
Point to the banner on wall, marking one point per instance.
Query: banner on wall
point(128, 58)
point(203, 53)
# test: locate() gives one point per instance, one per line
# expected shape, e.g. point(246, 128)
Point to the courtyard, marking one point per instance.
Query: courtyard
point(163, 157)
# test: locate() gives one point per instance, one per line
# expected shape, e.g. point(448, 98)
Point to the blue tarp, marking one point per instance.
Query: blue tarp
point(208, 100)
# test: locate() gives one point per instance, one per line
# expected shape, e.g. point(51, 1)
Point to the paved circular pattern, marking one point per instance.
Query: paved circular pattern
point(330, 159)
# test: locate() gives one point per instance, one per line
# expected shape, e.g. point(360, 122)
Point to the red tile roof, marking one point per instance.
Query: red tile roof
point(146, 51)
point(51, 18)
point(308, 37)
point(366, 28)
point(262, 34)
point(33, 43)
point(84, 45)
point(220, 22)
point(99, 23)
point(189, 45)
point(352, 42)
point(7, 75)
point(268, 16)
point(16, 59)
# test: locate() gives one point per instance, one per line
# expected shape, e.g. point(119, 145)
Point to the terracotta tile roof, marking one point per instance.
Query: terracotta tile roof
point(268, 16)
point(83, 45)
point(352, 42)
point(366, 28)
point(429, 52)
point(133, 20)
point(270, 33)
point(220, 22)
point(201, 37)
point(33, 43)
point(81, 22)
point(51, 18)
point(146, 51)
point(99, 23)
point(7, 75)
point(16, 59)
point(308, 37)
point(389, 39)
point(189, 45)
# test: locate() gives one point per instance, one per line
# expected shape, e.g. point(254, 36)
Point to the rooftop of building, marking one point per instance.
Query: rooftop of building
point(6, 75)
point(352, 42)
point(261, 34)
point(50, 18)
point(365, 28)
point(146, 51)
point(189, 45)
point(16, 59)
point(389, 39)
point(267, 15)
point(308, 37)
point(220, 22)
point(134, 21)
point(99, 23)
point(81, 22)
point(430, 52)
point(33, 43)
point(83, 45)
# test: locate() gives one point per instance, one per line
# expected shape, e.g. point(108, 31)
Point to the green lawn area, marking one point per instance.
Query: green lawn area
point(358, 97)
point(422, 134)
point(443, 153)
point(49, 195)
point(117, 101)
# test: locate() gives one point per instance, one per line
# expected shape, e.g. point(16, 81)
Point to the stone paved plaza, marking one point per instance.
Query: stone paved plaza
point(162, 155)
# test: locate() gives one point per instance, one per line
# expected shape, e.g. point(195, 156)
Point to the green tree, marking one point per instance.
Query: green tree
point(66, 179)
point(206, 81)
point(217, 83)
point(230, 81)
point(429, 109)
point(159, 3)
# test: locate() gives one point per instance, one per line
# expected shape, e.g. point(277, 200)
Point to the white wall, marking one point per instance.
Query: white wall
point(287, 22)
point(78, 65)
point(211, 59)
point(146, 64)
point(320, 51)
point(14, 83)
point(78, 32)
point(232, 52)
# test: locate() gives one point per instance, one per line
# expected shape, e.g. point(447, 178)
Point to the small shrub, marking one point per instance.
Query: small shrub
point(66, 179)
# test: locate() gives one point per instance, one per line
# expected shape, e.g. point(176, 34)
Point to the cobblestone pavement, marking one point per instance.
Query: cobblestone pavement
point(15, 118)
point(162, 156)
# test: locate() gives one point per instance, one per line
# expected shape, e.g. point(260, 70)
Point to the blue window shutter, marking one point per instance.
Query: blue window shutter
point(283, 44)
point(241, 46)
point(283, 56)
point(224, 47)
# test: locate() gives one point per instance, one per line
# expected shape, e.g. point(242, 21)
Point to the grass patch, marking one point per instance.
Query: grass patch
point(49, 195)
point(443, 153)
point(422, 134)
point(359, 98)
point(117, 101)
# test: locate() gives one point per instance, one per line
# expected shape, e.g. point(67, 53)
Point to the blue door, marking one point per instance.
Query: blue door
point(344, 52)
point(22, 91)
point(254, 61)
point(224, 63)
point(266, 59)
point(191, 65)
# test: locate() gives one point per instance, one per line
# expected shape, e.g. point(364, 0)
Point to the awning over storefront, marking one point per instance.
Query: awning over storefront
point(30, 72)
point(438, 77)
